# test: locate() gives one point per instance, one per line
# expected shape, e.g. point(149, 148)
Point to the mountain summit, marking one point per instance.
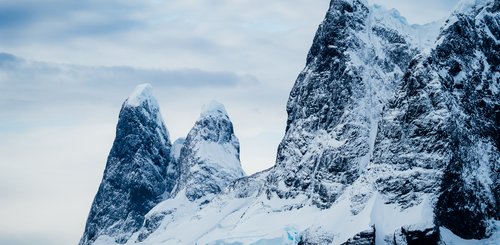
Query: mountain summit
point(138, 172)
point(210, 156)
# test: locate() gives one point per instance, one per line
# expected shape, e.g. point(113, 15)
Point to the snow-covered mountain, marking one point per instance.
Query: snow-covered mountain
point(210, 156)
point(138, 173)
point(392, 138)
point(358, 56)
point(441, 130)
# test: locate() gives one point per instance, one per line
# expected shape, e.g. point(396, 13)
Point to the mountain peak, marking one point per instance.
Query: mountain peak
point(332, 2)
point(210, 156)
point(466, 6)
point(142, 92)
point(138, 172)
point(213, 108)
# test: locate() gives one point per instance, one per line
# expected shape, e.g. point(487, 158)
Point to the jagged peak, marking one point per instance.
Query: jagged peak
point(345, 6)
point(142, 92)
point(209, 156)
point(142, 101)
point(213, 108)
point(422, 36)
point(467, 6)
point(332, 2)
point(380, 11)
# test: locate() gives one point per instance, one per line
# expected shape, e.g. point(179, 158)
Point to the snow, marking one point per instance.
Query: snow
point(105, 240)
point(142, 92)
point(222, 155)
point(387, 218)
point(449, 238)
point(257, 220)
point(175, 151)
point(213, 108)
point(142, 97)
point(466, 6)
point(422, 36)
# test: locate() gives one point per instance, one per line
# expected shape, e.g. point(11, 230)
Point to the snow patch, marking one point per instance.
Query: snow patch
point(222, 155)
point(143, 92)
point(467, 6)
point(213, 108)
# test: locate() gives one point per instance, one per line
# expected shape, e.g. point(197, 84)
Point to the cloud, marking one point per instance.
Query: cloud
point(208, 35)
point(32, 13)
point(30, 86)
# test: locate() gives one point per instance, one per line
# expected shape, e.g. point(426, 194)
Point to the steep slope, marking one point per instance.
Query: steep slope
point(208, 159)
point(210, 156)
point(357, 58)
point(138, 170)
point(440, 134)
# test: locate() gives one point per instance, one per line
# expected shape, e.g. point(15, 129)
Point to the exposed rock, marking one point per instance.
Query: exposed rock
point(363, 238)
point(138, 171)
point(210, 156)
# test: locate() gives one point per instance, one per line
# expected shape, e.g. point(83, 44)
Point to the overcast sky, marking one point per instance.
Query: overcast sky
point(66, 67)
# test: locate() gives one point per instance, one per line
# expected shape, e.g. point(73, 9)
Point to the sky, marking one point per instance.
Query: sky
point(67, 66)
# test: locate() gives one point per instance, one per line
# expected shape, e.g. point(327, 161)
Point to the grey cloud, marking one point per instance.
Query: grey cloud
point(59, 19)
point(30, 86)
point(20, 73)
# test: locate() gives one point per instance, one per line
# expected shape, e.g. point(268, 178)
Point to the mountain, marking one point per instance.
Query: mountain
point(138, 173)
point(358, 56)
point(209, 161)
point(210, 155)
point(441, 131)
point(392, 137)
point(199, 166)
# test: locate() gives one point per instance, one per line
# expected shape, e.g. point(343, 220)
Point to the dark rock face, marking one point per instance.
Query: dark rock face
point(336, 102)
point(427, 236)
point(470, 189)
point(440, 132)
point(363, 238)
point(137, 174)
point(437, 135)
point(210, 156)
point(316, 236)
